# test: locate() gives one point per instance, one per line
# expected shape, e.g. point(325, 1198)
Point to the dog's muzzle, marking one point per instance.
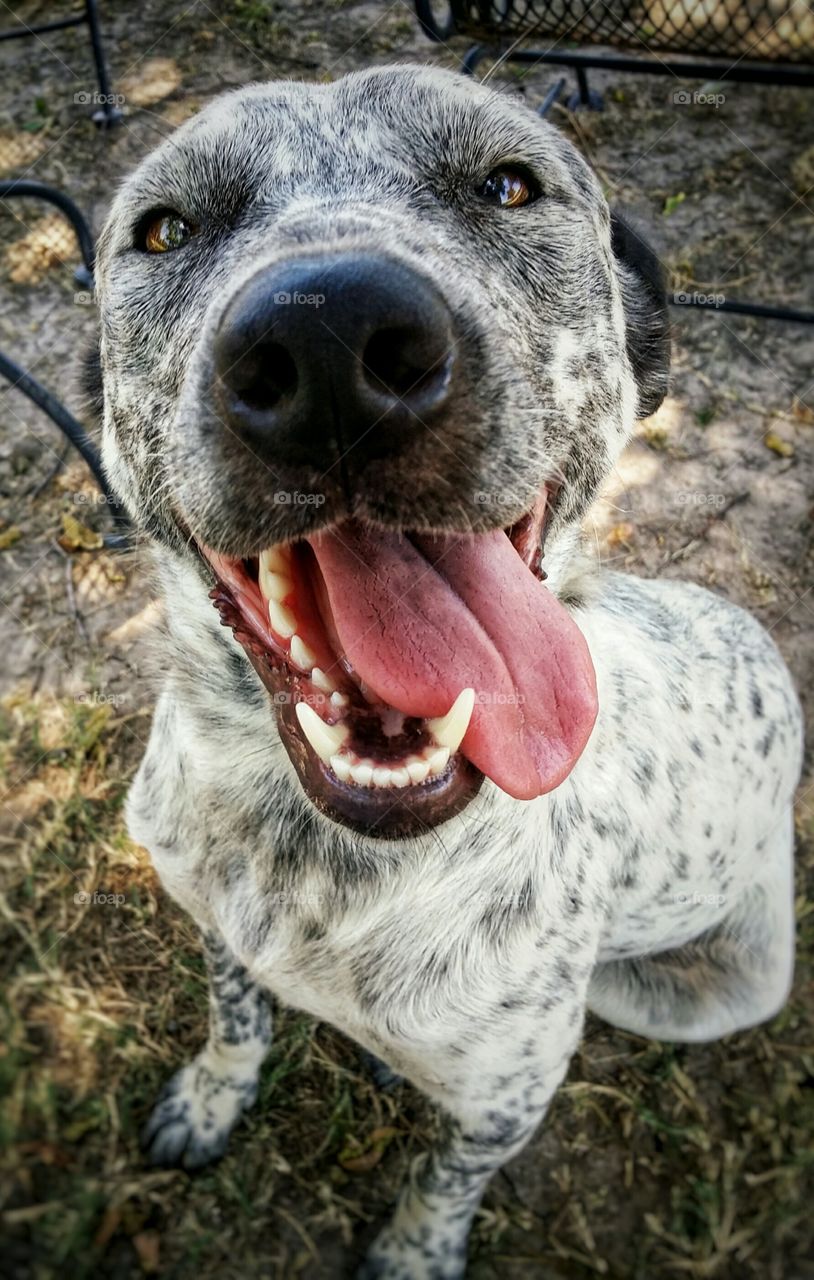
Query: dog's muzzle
point(347, 354)
point(404, 665)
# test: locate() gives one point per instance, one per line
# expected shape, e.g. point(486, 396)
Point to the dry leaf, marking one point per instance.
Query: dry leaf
point(359, 1157)
point(657, 437)
point(9, 536)
point(621, 535)
point(802, 412)
point(77, 536)
point(49, 242)
point(155, 79)
point(148, 1247)
point(778, 445)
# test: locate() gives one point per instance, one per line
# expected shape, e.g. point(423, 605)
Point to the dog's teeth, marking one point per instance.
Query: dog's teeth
point(326, 739)
point(382, 776)
point(338, 699)
point(417, 770)
point(341, 767)
point(323, 682)
point(275, 586)
point(399, 778)
point(275, 560)
point(449, 730)
point(301, 655)
point(439, 760)
point(282, 620)
point(362, 773)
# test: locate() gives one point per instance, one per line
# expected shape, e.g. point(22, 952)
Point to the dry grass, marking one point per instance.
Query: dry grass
point(655, 1160)
point(700, 1155)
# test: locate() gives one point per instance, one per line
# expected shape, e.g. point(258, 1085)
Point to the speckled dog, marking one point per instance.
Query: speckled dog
point(366, 348)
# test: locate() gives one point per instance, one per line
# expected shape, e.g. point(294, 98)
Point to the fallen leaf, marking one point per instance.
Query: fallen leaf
point(657, 437)
point(803, 412)
point(49, 242)
point(778, 445)
point(621, 535)
point(148, 1247)
point(9, 536)
point(154, 80)
point(359, 1157)
point(108, 1227)
point(77, 536)
point(672, 203)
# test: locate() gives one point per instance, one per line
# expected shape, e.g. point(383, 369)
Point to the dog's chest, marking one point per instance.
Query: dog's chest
point(409, 973)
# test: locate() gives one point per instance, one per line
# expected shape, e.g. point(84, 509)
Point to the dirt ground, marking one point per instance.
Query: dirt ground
point(655, 1159)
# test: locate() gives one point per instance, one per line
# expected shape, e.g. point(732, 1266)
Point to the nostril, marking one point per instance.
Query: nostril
point(403, 363)
point(263, 376)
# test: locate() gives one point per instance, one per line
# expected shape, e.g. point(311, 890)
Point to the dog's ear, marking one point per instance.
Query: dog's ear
point(644, 294)
point(90, 380)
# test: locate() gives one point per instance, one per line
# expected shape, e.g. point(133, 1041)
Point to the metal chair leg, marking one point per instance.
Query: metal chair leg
point(108, 112)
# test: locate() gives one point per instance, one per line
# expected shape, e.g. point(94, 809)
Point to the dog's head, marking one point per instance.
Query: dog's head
point(363, 346)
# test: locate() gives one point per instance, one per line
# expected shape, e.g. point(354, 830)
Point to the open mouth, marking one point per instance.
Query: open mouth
point(405, 667)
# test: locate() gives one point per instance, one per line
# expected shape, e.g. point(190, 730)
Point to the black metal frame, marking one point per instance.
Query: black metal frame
point(22, 381)
point(790, 75)
point(107, 113)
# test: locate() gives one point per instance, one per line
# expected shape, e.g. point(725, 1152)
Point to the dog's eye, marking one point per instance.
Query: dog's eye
point(161, 232)
point(509, 188)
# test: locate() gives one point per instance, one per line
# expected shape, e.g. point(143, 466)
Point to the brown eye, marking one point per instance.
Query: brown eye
point(165, 231)
point(509, 188)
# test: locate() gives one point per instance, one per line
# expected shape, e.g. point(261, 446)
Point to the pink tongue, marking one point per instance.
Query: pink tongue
point(422, 619)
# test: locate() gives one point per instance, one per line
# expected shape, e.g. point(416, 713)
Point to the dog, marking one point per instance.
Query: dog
point(419, 766)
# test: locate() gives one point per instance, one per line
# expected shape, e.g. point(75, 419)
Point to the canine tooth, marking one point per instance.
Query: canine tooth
point(362, 774)
point(301, 655)
point(282, 619)
point(399, 778)
point(438, 760)
point(418, 770)
point(382, 776)
point(323, 682)
point(275, 586)
point(338, 699)
point(276, 560)
point(326, 739)
point(449, 730)
point(341, 767)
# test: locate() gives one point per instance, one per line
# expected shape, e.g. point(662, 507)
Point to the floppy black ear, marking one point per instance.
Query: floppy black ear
point(644, 294)
point(90, 380)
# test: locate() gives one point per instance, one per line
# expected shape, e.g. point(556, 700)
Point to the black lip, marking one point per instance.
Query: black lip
point(383, 814)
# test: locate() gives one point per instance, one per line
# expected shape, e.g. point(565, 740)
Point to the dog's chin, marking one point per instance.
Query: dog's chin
point(403, 668)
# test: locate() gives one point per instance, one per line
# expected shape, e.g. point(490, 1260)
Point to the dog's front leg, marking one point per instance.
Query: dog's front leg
point(198, 1108)
point(490, 1119)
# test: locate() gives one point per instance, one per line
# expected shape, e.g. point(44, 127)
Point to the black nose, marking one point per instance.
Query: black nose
point(318, 357)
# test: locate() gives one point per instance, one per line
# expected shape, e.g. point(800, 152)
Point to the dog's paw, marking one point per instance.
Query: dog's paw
point(194, 1115)
point(393, 1258)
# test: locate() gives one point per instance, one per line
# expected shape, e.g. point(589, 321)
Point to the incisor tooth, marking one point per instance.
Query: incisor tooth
point(282, 619)
point(362, 773)
point(341, 767)
point(418, 770)
point(338, 699)
point(275, 586)
point(276, 560)
point(301, 655)
point(381, 776)
point(399, 778)
point(438, 760)
point(326, 739)
point(449, 730)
